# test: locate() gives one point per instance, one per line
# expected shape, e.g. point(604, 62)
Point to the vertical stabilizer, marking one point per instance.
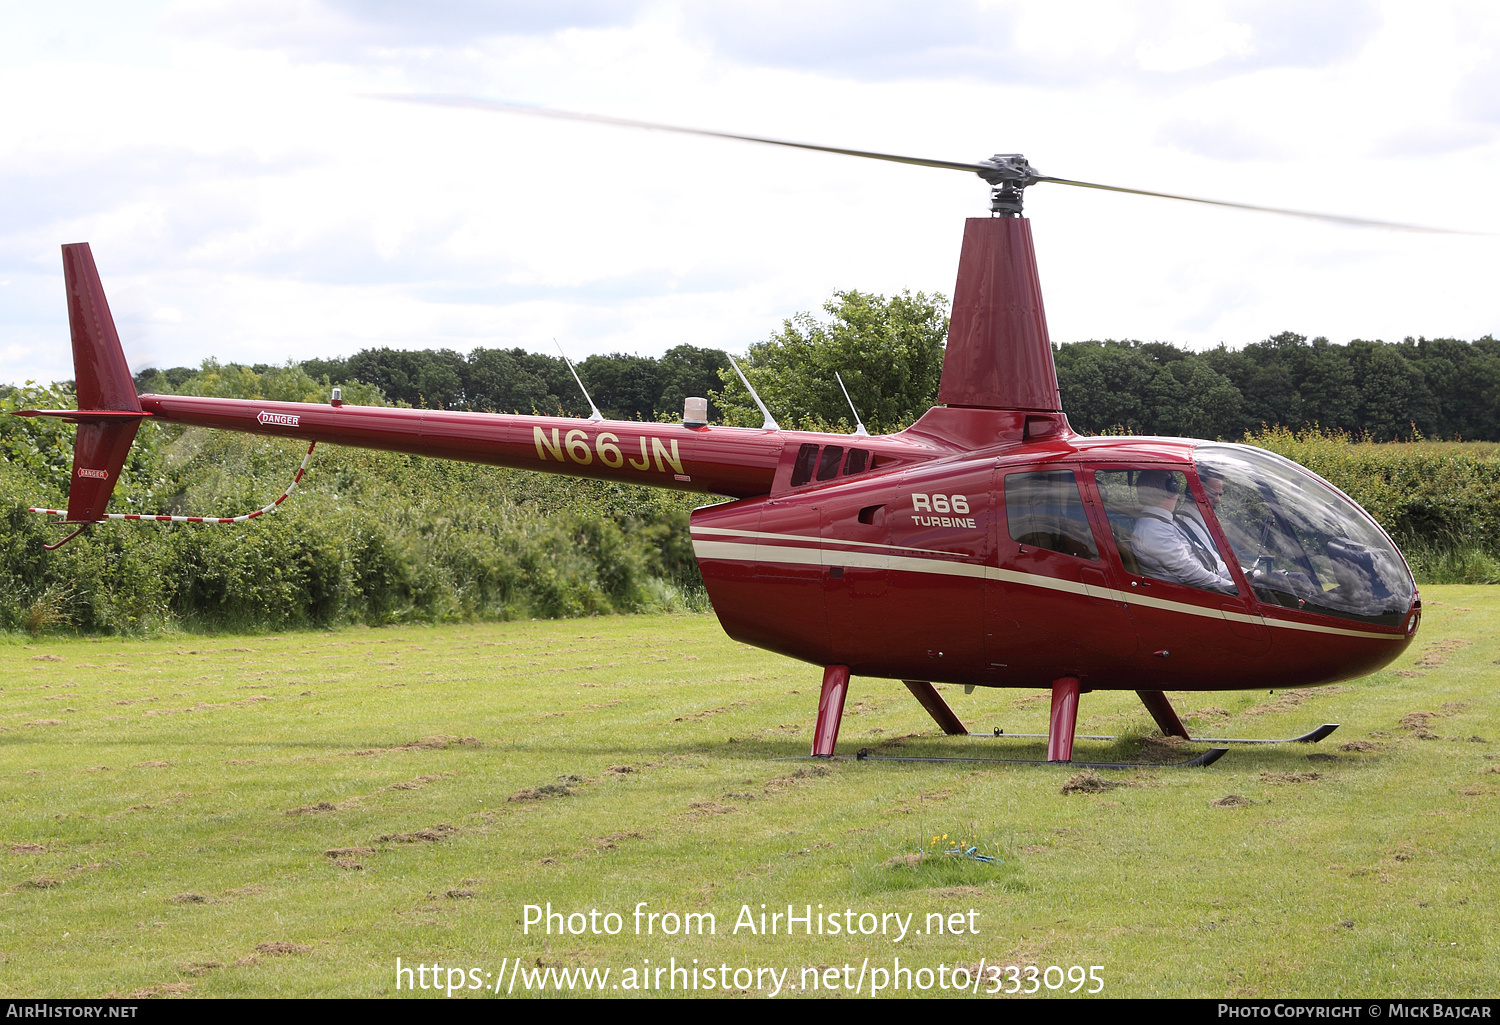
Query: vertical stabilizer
point(999, 355)
point(101, 374)
point(103, 384)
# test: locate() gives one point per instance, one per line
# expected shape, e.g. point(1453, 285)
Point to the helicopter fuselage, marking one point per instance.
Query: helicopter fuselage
point(894, 555)
point(917, 574)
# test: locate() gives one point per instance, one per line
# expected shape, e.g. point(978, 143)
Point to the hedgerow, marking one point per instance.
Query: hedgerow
point(380, 538)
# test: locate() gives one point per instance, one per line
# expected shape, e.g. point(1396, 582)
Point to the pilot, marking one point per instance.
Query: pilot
point(1162, 544)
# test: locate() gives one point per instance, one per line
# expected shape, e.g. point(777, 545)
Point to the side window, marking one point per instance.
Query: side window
point(857, 461)
point(1045, 510)
point(828, 466)
point(1159, 529)
point(802, 470)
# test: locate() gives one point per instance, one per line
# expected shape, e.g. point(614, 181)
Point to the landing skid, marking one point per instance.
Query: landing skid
point(1208, 757)
point(1311, 737)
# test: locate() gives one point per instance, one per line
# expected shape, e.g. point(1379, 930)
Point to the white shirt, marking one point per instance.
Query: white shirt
point(1165, 553)
point(1192, 519)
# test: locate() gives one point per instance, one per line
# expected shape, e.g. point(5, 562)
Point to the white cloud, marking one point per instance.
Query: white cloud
point(245, 202)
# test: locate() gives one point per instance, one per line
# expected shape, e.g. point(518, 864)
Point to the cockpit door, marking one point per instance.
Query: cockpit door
point(939, 533)
point(1167, 576)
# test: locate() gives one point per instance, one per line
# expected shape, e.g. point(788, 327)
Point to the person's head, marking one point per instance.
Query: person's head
point(1213, 487)
point(1158, 488)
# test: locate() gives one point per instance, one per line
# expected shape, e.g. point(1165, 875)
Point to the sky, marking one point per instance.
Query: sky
point(248, 196)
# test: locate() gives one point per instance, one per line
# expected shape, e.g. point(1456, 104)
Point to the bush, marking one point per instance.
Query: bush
point(368, 537)
point(1439, 501)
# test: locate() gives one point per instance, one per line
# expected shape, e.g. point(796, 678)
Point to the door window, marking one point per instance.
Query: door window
point(1159, 529)
point(828, 466)
point(1044, 510)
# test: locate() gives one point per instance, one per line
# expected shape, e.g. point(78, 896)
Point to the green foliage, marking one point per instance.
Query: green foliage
point(378, 538)
point(889, 352)
point(369, 537)
point(383, 538)
point(516, 381)
point(41, 447)
point(1420, 387)
point(1437, 497)
point(1456, 564)
point(291, 383)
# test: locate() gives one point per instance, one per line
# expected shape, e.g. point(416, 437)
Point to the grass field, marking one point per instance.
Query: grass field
point(287, 815)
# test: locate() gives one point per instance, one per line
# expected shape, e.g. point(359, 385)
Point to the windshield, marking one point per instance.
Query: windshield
point(1301, 544)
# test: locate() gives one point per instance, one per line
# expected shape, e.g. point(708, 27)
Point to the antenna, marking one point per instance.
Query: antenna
point(770, 423)
point(594, 413)
point(859, 427)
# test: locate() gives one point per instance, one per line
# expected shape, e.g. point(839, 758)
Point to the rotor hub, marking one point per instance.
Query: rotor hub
point(1008, 174)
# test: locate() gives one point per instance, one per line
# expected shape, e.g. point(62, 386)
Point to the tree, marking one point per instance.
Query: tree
point(1192, 400)
point(687, 370)
point(291, 383)
point(889, 352)
point(429, 379)
point(1389, 389)
point(1330, 398)
point(517, 381)
point(1103, 385)
point(624, 387)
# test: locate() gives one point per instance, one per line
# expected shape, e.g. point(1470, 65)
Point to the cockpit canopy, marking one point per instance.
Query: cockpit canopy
point(1301, 543)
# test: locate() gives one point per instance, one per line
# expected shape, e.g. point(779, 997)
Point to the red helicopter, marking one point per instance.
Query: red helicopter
point(987, 545)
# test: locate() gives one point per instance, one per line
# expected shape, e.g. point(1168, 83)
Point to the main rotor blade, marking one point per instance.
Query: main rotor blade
point(1359, 222)
point(497, 106)
point(567, 115)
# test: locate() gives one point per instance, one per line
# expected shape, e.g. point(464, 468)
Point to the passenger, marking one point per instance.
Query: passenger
point(1162, 544)
point(1191, 520)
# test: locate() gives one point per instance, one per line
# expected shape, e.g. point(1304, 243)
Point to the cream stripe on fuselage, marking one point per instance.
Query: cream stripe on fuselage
point(726, 532)
point(786, 554)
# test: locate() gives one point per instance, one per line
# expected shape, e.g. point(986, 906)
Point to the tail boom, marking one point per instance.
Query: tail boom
point(733, 461)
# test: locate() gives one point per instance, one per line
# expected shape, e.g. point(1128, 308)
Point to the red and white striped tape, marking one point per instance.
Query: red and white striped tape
point(202, 519)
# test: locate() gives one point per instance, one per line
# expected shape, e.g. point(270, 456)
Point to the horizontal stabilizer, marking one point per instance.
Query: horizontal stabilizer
point(85, 416)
